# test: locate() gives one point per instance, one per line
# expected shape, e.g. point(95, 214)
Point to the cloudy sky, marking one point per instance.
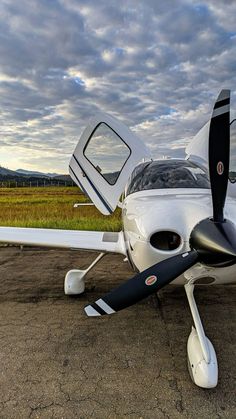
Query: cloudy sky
point(156, 65)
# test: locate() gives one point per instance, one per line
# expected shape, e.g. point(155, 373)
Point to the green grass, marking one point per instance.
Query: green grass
point(52, 207)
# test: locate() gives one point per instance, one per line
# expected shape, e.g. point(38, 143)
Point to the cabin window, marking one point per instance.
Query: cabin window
point(166, 174)
point(107, 152)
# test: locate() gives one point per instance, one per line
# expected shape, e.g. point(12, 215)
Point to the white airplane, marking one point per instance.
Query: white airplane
point(174, 225)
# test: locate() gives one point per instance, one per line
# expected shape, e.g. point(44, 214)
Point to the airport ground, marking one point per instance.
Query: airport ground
point(57, 363)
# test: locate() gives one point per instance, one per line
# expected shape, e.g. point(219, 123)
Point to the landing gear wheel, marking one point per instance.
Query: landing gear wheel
point(74, 282)
point(190, 370)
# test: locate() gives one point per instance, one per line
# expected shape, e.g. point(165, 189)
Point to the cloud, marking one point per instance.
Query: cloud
point(157, 66)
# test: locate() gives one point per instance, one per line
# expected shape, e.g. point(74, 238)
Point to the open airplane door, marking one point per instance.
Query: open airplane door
point(197, 152)
point(103, 160)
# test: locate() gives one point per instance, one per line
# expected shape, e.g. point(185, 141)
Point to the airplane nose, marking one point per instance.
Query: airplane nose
point(158, 226)
point(165, 229)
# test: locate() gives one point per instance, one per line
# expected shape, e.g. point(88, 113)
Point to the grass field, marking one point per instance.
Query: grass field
point(52, 207)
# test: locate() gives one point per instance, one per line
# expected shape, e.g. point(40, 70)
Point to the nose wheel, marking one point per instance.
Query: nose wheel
point(202, 361)
point(74, 283)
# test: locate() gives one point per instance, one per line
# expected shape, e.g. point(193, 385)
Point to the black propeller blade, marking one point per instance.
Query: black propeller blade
point(215, 239)
point(219, 144)
point(143, 284)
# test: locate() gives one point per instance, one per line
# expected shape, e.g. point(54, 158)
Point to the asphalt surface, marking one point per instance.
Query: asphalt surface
point(57, 363)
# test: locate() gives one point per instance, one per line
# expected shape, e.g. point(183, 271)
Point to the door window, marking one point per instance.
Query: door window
point(107, 152)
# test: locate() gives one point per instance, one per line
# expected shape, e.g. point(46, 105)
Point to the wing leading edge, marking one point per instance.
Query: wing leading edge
point(66, 239)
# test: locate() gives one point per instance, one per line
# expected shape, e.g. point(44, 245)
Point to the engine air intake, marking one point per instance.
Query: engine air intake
point(165, 240)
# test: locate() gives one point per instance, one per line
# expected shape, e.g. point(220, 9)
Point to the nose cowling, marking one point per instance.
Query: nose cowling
point(215, 242)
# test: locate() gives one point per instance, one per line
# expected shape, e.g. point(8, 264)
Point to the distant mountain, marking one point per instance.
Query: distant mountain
point(26, 177)
point(7, 172)
point(22, 175)
point(35, 173)
point(33, 177)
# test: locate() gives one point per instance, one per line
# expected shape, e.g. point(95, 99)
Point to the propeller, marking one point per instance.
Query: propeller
point(213, 240)
point(143, 284)
point(219, 144)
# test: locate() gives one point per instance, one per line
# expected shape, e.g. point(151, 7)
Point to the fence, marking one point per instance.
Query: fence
point(35, 183)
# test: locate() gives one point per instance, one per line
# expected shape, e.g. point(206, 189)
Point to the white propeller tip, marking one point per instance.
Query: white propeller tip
point(91, 312)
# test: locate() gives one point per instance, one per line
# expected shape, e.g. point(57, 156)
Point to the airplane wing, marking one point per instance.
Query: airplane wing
point(197, 149)
point(197, 152)
point(66, 239)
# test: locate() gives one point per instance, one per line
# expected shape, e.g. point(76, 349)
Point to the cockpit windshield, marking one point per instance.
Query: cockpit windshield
point(163, 174)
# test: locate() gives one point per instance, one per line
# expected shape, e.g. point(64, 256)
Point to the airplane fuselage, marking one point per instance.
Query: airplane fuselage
point(158, 223)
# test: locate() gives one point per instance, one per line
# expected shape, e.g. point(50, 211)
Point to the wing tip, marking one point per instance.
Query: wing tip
point(223, 95)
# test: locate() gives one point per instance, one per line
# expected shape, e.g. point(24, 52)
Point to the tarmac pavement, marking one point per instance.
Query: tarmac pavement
point(57, 363)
